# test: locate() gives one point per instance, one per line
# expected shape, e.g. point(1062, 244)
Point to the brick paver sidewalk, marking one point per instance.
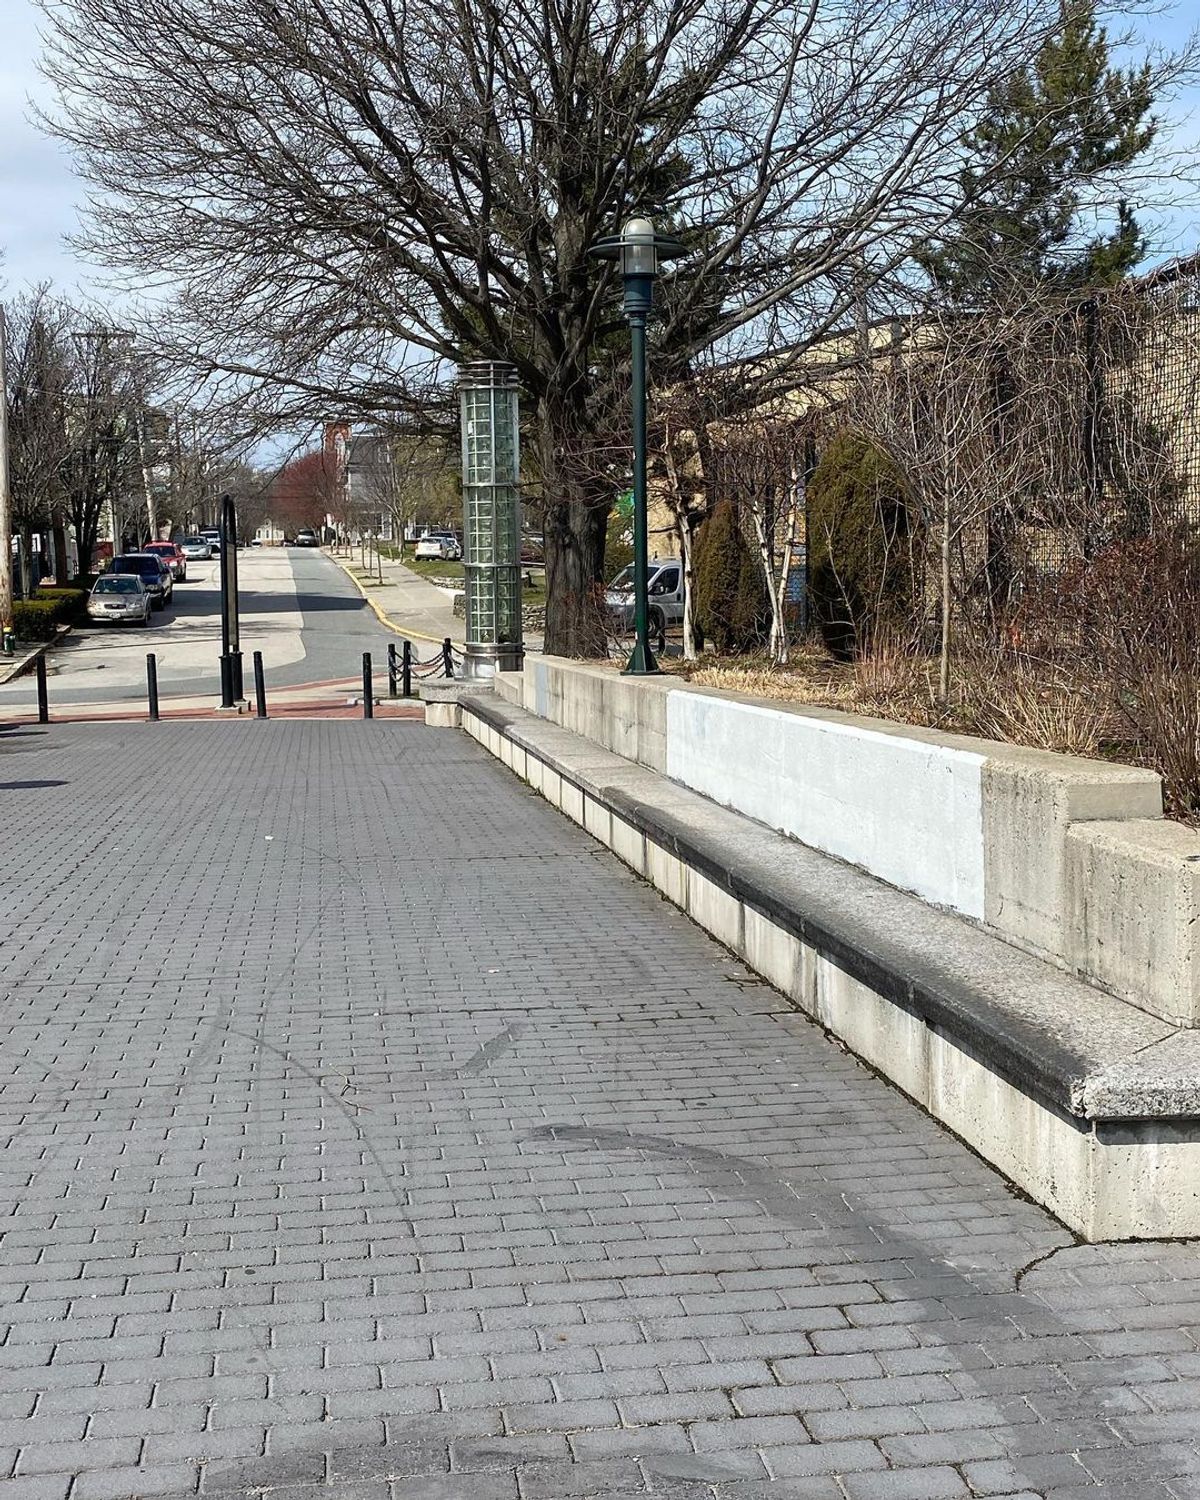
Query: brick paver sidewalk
point(370, 1134)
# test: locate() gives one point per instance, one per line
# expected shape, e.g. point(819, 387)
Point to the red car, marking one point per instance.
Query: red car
point(172, 554)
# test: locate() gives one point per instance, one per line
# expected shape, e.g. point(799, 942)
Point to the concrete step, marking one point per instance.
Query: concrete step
point(1088, 1103)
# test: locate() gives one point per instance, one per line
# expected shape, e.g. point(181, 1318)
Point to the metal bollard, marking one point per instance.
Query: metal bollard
point(406, 670)
point(260, 686)
point(152, 685)
point(43, 702)
point(447, 658)
point(391, 669)
point(368, 695)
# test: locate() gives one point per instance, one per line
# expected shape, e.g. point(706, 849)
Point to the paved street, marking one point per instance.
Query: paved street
point(376, 1135)
point(297, 607)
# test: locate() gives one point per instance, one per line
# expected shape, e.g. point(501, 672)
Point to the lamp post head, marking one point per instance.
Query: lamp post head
point(639, 251)
point(638, 254)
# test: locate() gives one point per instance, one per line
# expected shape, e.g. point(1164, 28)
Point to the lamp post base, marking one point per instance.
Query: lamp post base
point(642, 662)
point(481, 661)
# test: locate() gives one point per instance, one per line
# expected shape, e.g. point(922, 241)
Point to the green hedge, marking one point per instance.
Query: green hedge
point(38, 618)
point(860, 559)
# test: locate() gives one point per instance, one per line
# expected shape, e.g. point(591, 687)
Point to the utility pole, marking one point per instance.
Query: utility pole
point(147, 481)
point(6, 599)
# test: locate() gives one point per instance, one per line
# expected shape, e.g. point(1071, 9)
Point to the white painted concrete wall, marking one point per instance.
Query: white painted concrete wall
point(908, 811)
point(1065, 857)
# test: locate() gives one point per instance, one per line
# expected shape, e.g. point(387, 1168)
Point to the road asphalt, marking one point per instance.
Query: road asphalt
point(297, 607)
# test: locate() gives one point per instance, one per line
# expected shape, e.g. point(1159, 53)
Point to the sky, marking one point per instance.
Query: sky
point(38, 190)
point(40, 194)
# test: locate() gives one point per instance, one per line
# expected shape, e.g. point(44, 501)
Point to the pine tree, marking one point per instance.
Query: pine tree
point(1048, 133)
point(859, 544)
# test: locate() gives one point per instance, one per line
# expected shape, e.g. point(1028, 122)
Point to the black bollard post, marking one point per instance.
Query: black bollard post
point(447, 658)
point(260, 686)
point(43, 702)
point(231, 653)
point(391, 669)
point(152, 685)
point(406, 670)
point(368, 695)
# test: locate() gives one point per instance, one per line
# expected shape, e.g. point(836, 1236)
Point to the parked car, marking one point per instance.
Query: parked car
point(212, 535)
point(196, 548)
point(153, 572)
point(307, 538)
point(443, 545)
point(256, 541)
point(174, 557)
point(665, 593)
point(119, 599)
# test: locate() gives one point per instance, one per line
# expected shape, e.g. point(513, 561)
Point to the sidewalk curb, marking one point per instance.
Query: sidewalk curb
point(413, 635)
point(21, 665)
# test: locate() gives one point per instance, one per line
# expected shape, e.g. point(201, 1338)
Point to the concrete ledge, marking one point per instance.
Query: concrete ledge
point(1088, 1103)
point(1008, 837)
point(441, 699)
point(1134, 888)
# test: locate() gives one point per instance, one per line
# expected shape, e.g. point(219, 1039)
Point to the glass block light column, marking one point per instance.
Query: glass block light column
point(488, 402)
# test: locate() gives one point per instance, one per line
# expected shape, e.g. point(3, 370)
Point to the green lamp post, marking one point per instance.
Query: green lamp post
point(639, 251)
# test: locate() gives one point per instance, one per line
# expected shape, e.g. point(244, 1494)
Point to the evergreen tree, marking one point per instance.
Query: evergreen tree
point(1048, 133)
point(860, 544)
point(721, 553)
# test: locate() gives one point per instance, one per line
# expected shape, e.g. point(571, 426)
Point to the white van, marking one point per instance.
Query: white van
point(665, 591)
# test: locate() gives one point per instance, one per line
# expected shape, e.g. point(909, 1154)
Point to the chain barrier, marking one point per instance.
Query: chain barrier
point(447, 663)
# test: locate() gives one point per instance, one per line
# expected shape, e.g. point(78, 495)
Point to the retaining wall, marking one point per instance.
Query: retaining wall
point(1067, 858)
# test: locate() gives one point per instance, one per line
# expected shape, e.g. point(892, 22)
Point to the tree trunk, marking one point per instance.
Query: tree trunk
point(944, 654)
point(684, 524)
point(60, 552)
point(147, 482)
point(765, 550)
point(28, 581)
point(577, 509)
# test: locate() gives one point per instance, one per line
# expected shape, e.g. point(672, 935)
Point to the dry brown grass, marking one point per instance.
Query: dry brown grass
point(997, 696)
point(1036, 704)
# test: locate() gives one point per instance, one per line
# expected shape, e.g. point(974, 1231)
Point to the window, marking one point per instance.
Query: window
point(666, 581)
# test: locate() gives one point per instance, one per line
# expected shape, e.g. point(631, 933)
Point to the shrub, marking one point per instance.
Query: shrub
point(38, 618)
point(751, 605)
point(72, 602)
point(35, 619)
point(1134, 614)
point(618, 545)
point(859, 544)
point(731, 598)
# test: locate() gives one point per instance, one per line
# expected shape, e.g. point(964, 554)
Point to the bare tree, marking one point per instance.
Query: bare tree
point(936, 409)
point(758, 467)
point(681, 431)
point(39, 376)
point(354, 196)
point(409, 477)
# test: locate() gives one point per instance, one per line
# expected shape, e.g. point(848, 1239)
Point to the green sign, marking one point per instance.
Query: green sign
point(625, 503)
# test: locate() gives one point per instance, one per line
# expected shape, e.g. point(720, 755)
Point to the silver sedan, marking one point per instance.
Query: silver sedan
point(119, 599)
